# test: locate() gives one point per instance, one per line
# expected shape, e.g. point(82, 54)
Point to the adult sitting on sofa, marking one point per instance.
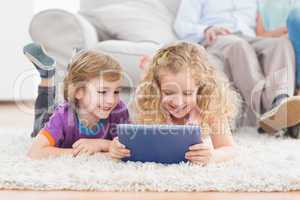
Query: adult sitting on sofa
point(263, 69)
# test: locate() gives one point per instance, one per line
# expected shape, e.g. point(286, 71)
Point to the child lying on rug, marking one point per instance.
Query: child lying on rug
point(181, 87)
point(85, 123)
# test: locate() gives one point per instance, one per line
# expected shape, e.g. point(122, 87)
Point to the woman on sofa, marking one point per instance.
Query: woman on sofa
point(281, 18)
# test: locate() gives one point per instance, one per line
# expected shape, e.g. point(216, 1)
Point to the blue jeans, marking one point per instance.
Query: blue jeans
point(293, 24)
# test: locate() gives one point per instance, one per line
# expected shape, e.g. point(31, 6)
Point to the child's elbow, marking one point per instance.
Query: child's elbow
point(33, 154)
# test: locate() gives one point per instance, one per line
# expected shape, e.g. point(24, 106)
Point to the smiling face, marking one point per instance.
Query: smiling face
point(99, 97)
point(179, 91)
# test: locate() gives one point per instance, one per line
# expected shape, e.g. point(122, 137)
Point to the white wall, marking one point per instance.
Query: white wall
point(17, 79)
point(70, 5)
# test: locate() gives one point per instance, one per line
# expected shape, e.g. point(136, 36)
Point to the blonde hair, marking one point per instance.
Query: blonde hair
point(215, 98)
point(86, 65)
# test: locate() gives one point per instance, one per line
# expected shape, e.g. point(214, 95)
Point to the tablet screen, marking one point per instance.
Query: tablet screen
point(158, 143)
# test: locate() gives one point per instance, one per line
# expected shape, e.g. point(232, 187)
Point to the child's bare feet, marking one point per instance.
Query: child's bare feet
point(144, 62)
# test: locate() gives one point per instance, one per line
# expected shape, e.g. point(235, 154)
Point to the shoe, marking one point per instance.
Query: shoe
point(260, 130)
point(286, 114)
point(43, 63)
point(294, 131)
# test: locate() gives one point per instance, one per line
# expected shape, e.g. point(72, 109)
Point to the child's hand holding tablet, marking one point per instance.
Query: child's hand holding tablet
point(154, 143)
point(118, 150)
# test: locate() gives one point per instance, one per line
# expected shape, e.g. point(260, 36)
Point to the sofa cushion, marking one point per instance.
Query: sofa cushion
point(129, 55)
point(172, 5)
point(93, 4)
point(139, 21)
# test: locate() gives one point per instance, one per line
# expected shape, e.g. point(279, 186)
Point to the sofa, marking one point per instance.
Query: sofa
point(61, 31)
point(125, 29)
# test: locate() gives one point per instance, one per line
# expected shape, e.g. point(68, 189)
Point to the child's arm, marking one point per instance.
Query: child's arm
point(224, 147)
point(223, 143)
point(260, 29)
point(41, 148)
point(91, 146)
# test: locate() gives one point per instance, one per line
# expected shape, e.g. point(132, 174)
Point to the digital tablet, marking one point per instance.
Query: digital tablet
point(165, 144)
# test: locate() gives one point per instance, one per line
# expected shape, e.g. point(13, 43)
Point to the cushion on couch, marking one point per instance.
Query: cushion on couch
point(172, 5)
point(139, 21)
point(129, 55)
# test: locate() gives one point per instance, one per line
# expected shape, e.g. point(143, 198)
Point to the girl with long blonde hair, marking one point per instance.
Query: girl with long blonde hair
point(181, 87)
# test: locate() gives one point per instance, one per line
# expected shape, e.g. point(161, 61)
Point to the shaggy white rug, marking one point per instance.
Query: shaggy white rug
point(264, 164)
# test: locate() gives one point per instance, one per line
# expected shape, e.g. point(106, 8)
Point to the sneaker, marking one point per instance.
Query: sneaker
point(43, 63)
point(286, 114)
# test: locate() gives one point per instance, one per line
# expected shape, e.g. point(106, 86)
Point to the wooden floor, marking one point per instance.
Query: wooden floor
point(14, 115)
point(29, 195)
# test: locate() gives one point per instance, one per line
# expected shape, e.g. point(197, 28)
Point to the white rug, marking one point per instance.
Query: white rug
point(264, 164)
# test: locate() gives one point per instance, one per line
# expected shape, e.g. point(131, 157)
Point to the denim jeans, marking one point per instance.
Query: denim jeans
point(293, 24)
